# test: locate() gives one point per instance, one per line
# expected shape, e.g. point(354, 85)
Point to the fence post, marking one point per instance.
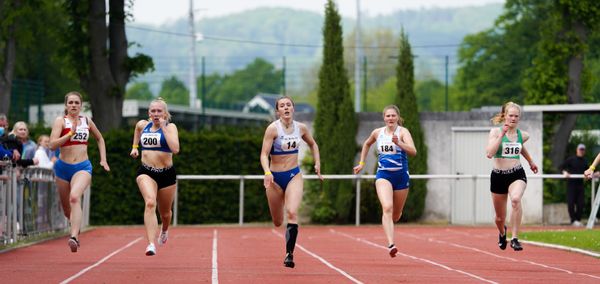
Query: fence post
point(474, 199)
point(13, 198)
point(358, 179)
point(175, 204)
point(241, 214)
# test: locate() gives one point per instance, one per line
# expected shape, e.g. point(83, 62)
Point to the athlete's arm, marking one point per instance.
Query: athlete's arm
point(101, 145)
point(172, 136)
point(269, 137)
point(494, 140)
point(307, 137)
point(365, 150)
point(137, 130)
point(406, 142)
point(55, 139)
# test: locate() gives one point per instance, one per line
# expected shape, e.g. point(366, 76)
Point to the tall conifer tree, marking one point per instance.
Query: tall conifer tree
point(335, 121)
point(409, 110)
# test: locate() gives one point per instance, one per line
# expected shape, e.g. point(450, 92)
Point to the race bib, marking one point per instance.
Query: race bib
point(81, 135)
point(290, 144)
point(150, 140)
point(511, 149)
point(387, 148)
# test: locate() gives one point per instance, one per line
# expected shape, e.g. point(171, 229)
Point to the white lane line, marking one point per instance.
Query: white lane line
point(498, 256)
point(322, 260)
point(99, 262)
point(415, 257)
point(215, 271)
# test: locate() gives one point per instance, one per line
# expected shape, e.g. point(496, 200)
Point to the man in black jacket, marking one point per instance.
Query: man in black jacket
point(575, 193)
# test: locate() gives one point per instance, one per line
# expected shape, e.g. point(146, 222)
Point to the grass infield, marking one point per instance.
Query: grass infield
point(582, 239)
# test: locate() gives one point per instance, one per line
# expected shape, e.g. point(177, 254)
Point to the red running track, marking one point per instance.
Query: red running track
point(325, 254)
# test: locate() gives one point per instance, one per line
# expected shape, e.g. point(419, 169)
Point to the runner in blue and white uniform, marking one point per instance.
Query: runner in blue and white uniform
point(505, 146)
point(394, 143)
point(156, 177)
point(283, 180)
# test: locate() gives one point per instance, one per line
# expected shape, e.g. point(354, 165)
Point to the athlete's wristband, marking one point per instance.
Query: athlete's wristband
point(592, 168)
point(134, 146)
point(361, 163)
point(268, 173)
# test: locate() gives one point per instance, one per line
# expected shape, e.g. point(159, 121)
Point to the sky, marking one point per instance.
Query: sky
point(157, 12)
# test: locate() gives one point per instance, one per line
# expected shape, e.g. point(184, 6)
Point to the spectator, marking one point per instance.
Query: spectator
point(43, 154)
point(575, 193)
point(18, 139)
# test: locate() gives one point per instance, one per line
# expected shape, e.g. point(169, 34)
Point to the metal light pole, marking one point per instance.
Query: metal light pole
point(192, 82)
point(358, 56)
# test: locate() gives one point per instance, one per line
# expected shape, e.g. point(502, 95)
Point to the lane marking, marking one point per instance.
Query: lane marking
point(498, 256)
point(415, 257)
point(99, 262)
point(321, 260)
point(215, 271)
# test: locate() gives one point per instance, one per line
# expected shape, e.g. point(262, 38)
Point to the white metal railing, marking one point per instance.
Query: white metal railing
point(242, 178)
point(30, 203)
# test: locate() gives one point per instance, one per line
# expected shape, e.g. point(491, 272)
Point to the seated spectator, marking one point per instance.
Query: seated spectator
point(43, 153)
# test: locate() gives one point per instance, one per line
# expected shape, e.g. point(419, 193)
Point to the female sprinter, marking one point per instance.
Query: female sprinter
point(73, 169)
point(156, 177)
point(505, 145)
point(283, 180)
point(394, 142)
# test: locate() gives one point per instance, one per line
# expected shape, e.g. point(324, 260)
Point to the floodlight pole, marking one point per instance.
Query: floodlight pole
point(192, 82)
point(358, 56)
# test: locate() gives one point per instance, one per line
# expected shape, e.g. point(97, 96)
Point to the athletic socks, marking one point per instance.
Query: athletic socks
point(291, 233)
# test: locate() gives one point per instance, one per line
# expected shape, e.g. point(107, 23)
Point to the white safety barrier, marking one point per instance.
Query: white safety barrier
point(242, 178)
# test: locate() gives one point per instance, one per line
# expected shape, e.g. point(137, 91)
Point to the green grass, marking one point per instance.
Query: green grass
point(582, 239)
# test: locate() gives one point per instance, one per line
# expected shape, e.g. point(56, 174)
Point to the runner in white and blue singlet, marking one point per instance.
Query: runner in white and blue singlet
point(394, 143)
point(283, 180)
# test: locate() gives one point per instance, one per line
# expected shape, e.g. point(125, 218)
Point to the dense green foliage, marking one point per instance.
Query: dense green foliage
point(139, 91)
point(116, 199)
point(175, 92)
point(259, 76)
point(407, 103)
point(335, 124)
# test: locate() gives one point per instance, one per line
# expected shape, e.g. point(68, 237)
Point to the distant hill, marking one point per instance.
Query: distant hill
point(230, 42)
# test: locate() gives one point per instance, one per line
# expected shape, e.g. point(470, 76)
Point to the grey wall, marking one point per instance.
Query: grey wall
point(438, 138)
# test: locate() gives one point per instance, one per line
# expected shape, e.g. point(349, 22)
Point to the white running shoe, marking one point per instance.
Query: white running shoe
point(150, 250)
point(163, 238)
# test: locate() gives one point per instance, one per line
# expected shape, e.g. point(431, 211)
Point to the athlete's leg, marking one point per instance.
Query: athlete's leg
point(64, 189)
point(79, 183)
point(499, 201)
point(386, 198)
point(275, 197)
point(148, 189)
point(165, 202)
point(515, 191)
point(399, 201)
point(293, 198)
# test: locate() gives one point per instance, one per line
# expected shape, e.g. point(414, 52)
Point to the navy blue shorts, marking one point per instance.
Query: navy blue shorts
point(398, 179)
point(283, 178)
point(65, 171)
